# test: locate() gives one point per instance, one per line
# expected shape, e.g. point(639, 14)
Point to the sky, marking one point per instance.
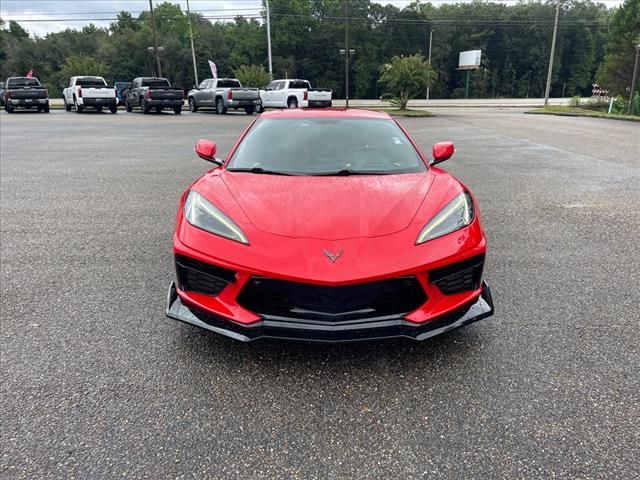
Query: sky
point(40, 17)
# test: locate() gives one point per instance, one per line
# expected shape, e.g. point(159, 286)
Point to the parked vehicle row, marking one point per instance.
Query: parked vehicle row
point(153, 93)
point(294, 93)
point(91, 92)
point(25, 92)
point(223, 94)
point(157, 94)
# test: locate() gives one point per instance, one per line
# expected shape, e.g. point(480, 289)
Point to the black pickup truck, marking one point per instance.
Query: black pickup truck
point(25, 92)
point(153, 93)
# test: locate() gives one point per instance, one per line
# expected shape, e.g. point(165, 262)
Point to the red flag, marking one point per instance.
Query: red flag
point(30, 74)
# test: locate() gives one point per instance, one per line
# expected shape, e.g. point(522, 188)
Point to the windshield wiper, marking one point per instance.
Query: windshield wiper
point(345, 172)
point(259, 170)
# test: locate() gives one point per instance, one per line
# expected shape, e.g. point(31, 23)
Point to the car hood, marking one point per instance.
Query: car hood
point(329, 208)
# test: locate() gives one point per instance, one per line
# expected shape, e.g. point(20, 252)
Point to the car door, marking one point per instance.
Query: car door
point(281, 93)
point(68, 92)
point(132, 93)
point(208, 93)
point(199, 94)
point(266, 96)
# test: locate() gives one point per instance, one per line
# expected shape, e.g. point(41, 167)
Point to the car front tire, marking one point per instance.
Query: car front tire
point(193, 108)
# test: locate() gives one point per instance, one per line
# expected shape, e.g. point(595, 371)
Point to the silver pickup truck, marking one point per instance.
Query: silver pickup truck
point(223, 94)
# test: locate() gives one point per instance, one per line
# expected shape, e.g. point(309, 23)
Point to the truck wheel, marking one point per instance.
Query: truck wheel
point(158, 109)
point(127, 106)
point(113, 108)
point(79, 108)
point(193, 108)
point(177, 110)
point(67, 107)
point(220, 108)
point(144, 106)
point(45, 109)
point(8, 108)
point(250, 110)
point(292, 103)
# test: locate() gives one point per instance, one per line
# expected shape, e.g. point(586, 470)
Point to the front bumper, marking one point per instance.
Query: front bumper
point(365, 329)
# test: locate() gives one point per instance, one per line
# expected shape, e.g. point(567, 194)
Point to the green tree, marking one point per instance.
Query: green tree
point(404, 78)
point(624, 34)
point(252, 75)
point(82, 65)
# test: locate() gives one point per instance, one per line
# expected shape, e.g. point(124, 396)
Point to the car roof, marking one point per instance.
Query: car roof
point(326, 113)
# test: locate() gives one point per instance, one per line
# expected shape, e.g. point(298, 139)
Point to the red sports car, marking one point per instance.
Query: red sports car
point(328, 225)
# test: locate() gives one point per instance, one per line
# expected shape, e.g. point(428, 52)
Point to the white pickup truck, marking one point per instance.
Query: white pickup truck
point(294, 93)
point(88, 91)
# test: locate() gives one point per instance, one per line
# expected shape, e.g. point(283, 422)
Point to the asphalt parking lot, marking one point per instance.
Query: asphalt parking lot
point(97, 383)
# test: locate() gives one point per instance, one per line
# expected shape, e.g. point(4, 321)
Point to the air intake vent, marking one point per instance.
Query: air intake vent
point(459, 277)
point(195, 276)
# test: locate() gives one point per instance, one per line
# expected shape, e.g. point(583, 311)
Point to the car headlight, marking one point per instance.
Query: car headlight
point(456, 214)
point(201, 213)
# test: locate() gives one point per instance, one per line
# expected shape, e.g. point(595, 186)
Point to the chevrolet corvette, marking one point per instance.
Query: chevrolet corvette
point(328, 225)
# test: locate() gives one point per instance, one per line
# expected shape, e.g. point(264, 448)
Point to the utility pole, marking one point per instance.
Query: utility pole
point(155, 39)
point(553, 51)
point(633, 80)
point(269, 40)
point(346, 51)
point(430, 40)
point(193, 50)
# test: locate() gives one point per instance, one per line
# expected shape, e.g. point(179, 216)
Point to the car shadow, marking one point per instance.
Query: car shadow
point(230, 113)
point(209, 348)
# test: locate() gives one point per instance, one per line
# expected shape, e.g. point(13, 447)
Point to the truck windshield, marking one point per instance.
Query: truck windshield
point(326, 146)
point(23, 82)
point(91, 82)
point(156, 83)
point(229, 84)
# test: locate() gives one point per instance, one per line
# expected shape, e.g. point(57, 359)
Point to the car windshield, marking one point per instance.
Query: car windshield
point(91, 82)
point(156, 83)
point(326, 146)
point(23, 82)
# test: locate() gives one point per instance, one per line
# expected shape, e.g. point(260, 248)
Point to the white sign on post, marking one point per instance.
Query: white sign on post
point(469, 60)
point(214, 69)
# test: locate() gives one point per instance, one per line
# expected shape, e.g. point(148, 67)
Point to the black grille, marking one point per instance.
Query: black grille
point(277, 298)
point(459, 277)
point(195, 276)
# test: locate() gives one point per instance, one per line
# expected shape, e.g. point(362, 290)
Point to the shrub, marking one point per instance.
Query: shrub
point(252, 75)
point(404, 78)
point(574, 101)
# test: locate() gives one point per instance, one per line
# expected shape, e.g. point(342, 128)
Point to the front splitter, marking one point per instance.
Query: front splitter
point(313, 331)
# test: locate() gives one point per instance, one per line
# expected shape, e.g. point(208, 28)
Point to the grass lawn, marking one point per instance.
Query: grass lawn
point(580, 112)
point(414, 112)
